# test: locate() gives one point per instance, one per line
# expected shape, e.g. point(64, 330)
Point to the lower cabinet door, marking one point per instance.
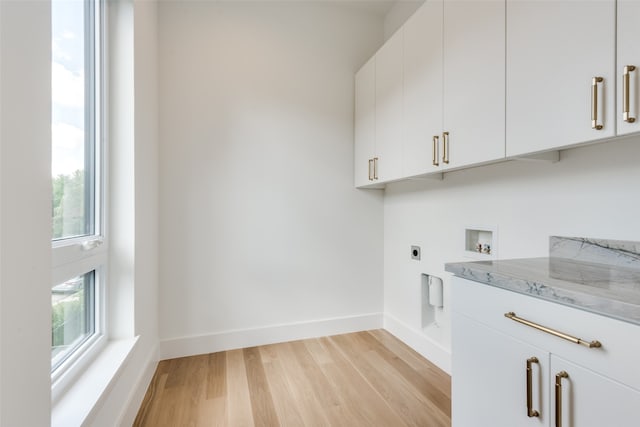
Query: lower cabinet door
point(583, 398)
point(497, 380)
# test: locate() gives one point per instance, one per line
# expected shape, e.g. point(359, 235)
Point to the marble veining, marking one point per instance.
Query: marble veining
point(607, 289)
point(611, 252)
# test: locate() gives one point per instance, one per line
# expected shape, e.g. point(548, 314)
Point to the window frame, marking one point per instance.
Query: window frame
point(78, 255)
point(90, 285)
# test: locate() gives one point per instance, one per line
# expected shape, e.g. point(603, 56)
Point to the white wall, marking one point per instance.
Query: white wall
point(134, 202)
point(25, 214)
point(260, 224)
point(591, 192)
point(146, 167)
point(398, 15)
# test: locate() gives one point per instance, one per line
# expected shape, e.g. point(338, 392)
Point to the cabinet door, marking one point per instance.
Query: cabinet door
point(591, 400)
point(422, 88)
point(628, 55)
point(365, 124)
point(554, 50)
point(474, 75)
point(389, 108)
point(489, 381)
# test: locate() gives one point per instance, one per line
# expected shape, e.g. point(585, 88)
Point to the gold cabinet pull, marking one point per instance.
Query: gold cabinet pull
point(445, 147)
point(436, 150)
point(594, 103)
point(625, 93)
point(530, 411)
point(370, 164)
point(559, 376)
point(375, 168)
point(591, 344)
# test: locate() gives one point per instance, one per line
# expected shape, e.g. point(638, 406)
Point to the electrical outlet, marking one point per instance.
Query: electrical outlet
point(415, 252)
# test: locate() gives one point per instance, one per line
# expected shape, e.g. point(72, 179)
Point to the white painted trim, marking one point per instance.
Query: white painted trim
point(229, 340)
point(428, 348)
point(134, 400)
point(80, 402)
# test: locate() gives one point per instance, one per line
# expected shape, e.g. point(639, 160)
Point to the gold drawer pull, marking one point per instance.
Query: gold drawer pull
point(594, 103)
point(375, 168)
point(559, 377)
point(625, 93)
point(591, 344)
point(530, 411)
point(436, 150)
point(445, 147)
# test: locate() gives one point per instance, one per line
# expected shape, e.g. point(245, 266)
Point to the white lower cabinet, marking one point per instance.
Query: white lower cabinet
point(587, 399)
point(506, 374)
point(489, 383)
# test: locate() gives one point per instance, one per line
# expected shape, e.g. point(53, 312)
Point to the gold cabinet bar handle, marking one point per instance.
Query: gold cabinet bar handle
point(530, 411)
point(559, 376)
point(445, 147)
point(370, 164)
point(436, 146)
point(594, 103)
point(591, 344)
point(625, 93)
point(375, 168)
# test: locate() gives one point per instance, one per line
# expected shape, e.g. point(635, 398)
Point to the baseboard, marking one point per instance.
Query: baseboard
point(229, 340)
point(128, 415)
point(415, 339)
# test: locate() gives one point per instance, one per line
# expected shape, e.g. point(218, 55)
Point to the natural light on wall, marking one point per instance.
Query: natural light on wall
point(78, 232)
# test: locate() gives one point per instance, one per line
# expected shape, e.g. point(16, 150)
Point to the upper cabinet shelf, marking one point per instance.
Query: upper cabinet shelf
point(471, 82)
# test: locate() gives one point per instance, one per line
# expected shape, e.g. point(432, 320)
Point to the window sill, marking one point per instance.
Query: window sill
point(76, 405)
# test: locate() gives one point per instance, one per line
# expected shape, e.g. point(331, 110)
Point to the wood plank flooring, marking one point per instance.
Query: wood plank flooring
point(360, 379)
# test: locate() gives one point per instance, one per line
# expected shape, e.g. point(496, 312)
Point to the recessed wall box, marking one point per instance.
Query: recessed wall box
point(481, 242)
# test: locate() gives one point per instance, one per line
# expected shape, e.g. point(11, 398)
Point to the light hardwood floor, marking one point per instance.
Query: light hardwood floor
point(360, 379)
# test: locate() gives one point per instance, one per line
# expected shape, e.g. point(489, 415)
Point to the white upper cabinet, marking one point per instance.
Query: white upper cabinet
point(454, 61)
point(467, 82)
point(474, 75)
point(365, 123)
point(422, 89)
point(557, 51)
point(388, 101)
point(628, 67)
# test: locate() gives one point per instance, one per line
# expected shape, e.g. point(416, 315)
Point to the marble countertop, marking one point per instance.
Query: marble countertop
point(607, 289)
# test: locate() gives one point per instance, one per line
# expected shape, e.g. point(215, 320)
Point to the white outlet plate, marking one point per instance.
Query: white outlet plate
point(415, 253)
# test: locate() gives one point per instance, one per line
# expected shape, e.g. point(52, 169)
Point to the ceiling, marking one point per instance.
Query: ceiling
point(376, 7)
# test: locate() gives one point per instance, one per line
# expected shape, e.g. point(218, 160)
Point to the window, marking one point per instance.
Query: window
point(73, 317)
point(78, 232)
